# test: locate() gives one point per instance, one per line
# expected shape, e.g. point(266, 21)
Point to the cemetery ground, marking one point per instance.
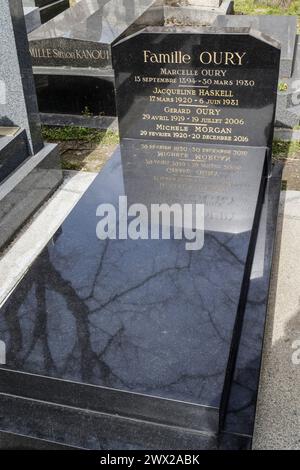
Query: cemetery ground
point(82, 148)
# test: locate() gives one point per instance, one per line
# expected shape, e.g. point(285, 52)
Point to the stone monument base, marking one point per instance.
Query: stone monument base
point(26, 188)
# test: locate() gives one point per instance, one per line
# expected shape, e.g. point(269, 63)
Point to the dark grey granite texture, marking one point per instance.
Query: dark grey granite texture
point(26, 189)
point(13, 441)
point(281, 28)
point(288, 113)
point(98, 431)
point(19, 106)
point(144, 316)
point(242, 403)
point(13, 151)
point(165, 74)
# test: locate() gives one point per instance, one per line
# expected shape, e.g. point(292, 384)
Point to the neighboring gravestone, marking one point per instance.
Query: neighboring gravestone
point(281, 28)
point(71, 55)
point(29, 170)
point(195, 12)
point(18, 106)
point(213, 86)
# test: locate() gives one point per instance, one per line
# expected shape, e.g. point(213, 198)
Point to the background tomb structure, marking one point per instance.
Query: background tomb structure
point(71, 56)
point(48, 9)
point(29, 170)
point(80, 92)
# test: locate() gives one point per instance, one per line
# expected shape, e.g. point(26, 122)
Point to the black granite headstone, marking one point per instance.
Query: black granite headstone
point(213, 86)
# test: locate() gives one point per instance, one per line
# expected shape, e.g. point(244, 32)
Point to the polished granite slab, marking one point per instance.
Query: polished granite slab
point(241, 410)
point(143, 316)
point(32, 424)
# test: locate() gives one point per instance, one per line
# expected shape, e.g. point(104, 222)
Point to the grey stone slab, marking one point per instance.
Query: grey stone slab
point(286, 114)
point(281, 28)
point(196, 15)
point(14, 441)
point(97, 431)
point(31, 417)
point(32, 18)
point(18, 103)
point(286, 134)
point(26, 188)
point(8, 131)
point(288, 101)
point(154, 374)
point(28, 3)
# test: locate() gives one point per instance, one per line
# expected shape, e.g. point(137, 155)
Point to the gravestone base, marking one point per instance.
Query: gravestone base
point(196, 15)
point(26, 188)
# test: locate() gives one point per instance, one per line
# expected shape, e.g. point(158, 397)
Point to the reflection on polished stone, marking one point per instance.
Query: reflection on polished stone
point(142, 316)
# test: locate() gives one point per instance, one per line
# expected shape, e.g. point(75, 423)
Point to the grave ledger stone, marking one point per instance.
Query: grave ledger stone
point(141, 327)
point(71, 54)
point(29, 170)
